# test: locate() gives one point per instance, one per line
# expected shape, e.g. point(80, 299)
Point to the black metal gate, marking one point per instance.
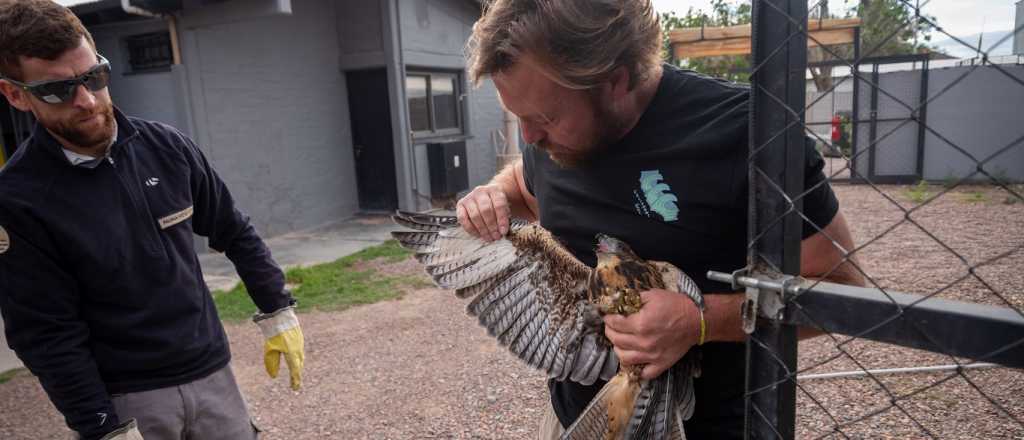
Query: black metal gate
point(889, 119)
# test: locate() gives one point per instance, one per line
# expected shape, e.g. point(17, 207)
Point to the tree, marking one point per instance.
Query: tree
point(888, 27)
point(822, 75)
point(731, 67)
point(880, 19)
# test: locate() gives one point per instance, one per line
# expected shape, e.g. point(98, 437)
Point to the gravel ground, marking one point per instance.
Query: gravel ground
point(979, 223)
point(419, 368)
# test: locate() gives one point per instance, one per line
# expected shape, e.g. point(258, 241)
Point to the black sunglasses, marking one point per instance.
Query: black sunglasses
point(63, 90)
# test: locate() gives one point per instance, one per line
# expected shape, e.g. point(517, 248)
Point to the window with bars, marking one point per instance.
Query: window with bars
point(433, 103)
point(149, 52)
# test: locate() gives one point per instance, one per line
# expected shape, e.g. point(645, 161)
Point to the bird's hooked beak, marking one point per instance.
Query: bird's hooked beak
point(610, 245)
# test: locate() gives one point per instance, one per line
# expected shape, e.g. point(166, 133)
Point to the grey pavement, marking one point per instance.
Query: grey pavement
point(320, 245)
point(8, 360)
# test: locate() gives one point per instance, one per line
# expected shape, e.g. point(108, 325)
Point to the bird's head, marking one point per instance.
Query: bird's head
point(608, 246)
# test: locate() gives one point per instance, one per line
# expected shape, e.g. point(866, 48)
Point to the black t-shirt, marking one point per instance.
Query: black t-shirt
point(675, 189)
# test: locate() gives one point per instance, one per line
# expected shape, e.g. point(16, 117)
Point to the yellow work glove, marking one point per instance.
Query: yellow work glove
point(284, 337)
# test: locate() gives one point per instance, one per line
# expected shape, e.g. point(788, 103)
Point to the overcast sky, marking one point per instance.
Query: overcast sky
point(958, 17)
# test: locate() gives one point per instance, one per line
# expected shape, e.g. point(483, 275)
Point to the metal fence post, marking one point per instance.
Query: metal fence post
point(922, 118)
point(855, 119)
point(777, 145)
point(873, 128)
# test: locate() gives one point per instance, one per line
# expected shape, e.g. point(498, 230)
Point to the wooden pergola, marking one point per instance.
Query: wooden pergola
point(735, 40)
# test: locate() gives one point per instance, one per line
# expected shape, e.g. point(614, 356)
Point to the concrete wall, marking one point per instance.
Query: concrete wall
point(979, 115)
point(362, 34)
point(433, 35)
point(270, 109)
point(158, 96)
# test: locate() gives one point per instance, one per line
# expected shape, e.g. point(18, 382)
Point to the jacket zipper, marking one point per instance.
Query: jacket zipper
point(152, 240)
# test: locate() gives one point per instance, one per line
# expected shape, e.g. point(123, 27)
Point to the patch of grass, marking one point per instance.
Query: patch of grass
point(918, 193)
point(999, 174)
point(389, 249)
point(330, 286)
point(950, 181)
point(975, 197)
point(11, 374)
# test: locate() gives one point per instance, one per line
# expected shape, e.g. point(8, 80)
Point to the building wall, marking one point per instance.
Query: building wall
point(270, 109)
point(261, 88)
point(158, 96)
point(362, 34)
point(433, 36)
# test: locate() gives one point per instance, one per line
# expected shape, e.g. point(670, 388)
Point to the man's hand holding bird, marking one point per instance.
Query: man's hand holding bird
point(657, 336)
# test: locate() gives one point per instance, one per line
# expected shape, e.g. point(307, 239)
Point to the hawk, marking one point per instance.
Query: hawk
point(545, 306)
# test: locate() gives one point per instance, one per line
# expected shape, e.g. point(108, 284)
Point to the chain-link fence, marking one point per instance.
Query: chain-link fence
point(933, 345)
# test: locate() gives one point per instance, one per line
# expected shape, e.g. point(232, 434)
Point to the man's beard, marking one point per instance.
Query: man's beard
point(608, 129)
point(73, 132)
point(566, 158)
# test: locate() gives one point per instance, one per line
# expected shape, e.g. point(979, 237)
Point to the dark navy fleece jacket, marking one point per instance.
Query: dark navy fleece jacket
point(100, 287)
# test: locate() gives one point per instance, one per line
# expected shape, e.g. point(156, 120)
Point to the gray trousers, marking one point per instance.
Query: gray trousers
point(210, 408)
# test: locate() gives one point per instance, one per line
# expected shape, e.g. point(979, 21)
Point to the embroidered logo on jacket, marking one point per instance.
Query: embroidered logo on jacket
point(656, 196)
point(5, 240)
point(177, 217)
point(153, 181)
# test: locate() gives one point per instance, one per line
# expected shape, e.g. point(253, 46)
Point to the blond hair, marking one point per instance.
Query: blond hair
point(581, 42)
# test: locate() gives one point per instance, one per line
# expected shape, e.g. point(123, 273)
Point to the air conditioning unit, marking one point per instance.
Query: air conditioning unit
point(447, 164)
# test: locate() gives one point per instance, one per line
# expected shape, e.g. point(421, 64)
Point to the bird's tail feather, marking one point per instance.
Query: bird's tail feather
point(653, 405)
point(662, 405)
point(592, 424)
point(657, 413)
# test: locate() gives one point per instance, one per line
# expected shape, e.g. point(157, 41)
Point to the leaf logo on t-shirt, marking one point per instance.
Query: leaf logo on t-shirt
point(658, 195)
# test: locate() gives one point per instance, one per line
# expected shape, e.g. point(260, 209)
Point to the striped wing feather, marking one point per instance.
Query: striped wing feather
point(525, 289)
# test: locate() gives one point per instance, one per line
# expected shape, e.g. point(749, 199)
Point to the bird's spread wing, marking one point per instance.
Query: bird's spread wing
point(663, 403)
point(526, 289)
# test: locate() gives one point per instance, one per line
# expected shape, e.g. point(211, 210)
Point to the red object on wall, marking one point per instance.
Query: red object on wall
point(835, 128)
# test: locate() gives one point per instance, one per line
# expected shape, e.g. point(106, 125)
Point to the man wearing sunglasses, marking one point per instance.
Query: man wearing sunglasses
point(101, 292)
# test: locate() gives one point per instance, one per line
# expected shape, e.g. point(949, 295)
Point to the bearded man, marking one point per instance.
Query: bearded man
point(625, 145)
point(101, 291)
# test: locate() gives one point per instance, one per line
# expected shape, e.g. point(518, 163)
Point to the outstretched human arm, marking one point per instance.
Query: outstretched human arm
point(485, 211)
point(231, 232)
